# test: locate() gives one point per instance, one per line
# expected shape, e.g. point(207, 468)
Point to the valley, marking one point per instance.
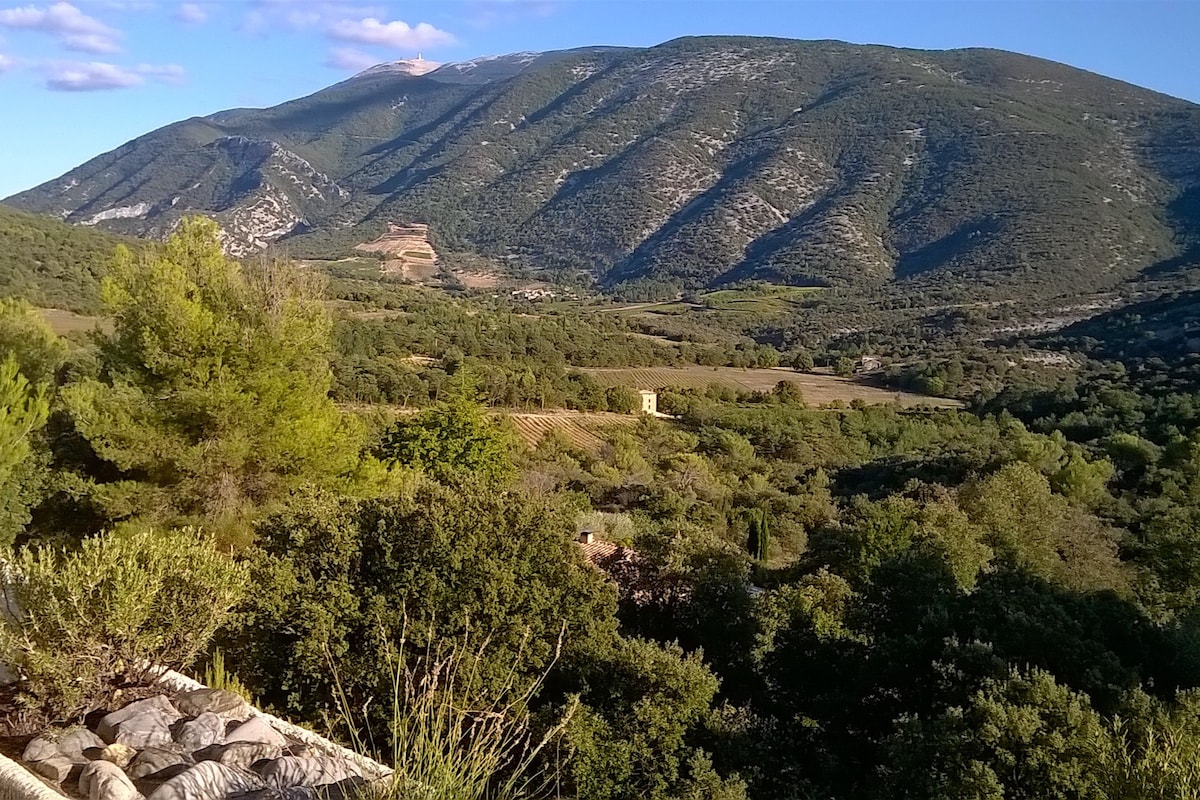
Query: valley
point(737, 418)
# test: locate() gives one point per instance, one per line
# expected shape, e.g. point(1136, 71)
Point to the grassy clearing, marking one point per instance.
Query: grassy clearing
point(352, 268)
point(65, 322)
point(768, 300)
point(818, 389)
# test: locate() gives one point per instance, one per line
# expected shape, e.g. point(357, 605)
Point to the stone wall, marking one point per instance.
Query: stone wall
point(175, 682)
point(19, 782)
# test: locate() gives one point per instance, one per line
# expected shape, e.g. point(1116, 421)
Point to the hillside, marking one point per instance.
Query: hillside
point(697, 162)
point(1165, 328)
point(51, 263)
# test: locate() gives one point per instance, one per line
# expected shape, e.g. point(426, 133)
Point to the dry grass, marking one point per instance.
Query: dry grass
point(64, 322)
point(411, 269)
point(477, 280)
point(818, 389)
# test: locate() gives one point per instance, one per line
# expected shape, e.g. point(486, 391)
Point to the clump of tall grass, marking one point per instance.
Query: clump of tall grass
point(451, 737)
point(216, 676)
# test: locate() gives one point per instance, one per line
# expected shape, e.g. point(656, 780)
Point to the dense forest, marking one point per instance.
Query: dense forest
point(849, 601)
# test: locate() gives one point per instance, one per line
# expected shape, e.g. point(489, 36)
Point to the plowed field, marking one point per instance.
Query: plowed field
point(583, 429)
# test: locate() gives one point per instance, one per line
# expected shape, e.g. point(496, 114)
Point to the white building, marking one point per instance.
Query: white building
point(649, 402)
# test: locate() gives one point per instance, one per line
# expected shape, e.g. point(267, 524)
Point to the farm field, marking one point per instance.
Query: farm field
point(585, 429)
point(818, 389)
point(582, 428)
point(64, 322)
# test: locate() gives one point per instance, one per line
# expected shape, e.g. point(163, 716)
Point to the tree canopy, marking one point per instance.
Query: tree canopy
point(212, 396)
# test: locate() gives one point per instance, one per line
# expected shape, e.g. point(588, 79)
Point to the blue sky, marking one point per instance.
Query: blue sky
point(80, 77)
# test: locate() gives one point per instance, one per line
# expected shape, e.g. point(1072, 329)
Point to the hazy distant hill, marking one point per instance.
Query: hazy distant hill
point(695, 162)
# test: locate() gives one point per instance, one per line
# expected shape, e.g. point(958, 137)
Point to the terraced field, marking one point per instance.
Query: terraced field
point(584, 429)
point(818, 389)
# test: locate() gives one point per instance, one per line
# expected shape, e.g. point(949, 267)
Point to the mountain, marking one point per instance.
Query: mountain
point(696, 162)
point(410, 66)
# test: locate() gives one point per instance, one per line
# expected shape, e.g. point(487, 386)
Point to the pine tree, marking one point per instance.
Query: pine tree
point(214, 399)
point(23, 411)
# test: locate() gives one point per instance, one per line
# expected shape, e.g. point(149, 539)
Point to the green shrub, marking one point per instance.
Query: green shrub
point(102, 618)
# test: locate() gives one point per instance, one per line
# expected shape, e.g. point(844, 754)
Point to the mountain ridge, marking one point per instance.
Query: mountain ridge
point(696, 162)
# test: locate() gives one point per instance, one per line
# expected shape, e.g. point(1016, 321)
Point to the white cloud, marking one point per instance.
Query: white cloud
point(349, 58)
point(60, 18)
point(265, 16)
point(167, 73)
point(6, 63)
point(397, 34)
point(90, 43)
point(75, 29)
point(191, 14)
point(122, 5)
point(91, 76)
point(96, 76)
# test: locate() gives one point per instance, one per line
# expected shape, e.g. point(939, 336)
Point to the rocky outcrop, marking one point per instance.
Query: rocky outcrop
point(204, 744)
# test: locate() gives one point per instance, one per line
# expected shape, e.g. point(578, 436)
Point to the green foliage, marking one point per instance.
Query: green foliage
point(341, 579)
point(23, 411)
point(759, 539)
point(217, 677)
point(802, 361)
point(630, 738)
point(24, 334)
point(453, 442)
point(1041, 531)
point(621, 399)
point(349, 587)
point(51, 263)
point(1024, 737)
point(102, 618)
point(213, 396)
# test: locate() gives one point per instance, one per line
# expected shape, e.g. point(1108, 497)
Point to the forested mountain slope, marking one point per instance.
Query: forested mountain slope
point(51, 263)
point(697, 162)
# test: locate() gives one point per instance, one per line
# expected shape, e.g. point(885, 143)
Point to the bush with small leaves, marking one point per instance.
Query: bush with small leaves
point(90, 622)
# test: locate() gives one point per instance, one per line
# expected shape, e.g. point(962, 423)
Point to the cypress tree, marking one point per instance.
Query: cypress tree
point(758, 542)
point(764, 536)
point(752, 538)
